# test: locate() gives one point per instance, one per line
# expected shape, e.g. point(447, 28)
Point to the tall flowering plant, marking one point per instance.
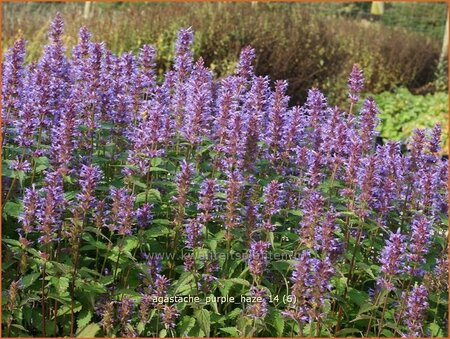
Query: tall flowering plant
point(144, 204)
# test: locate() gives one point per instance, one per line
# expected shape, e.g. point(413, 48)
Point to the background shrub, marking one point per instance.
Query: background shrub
point(306, 48)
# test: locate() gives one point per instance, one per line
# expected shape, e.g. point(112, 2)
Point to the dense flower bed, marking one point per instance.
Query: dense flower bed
point(138, 204)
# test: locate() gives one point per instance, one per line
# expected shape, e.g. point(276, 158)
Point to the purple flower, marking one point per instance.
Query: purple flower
point(198, 106)
point(30, 205)
point(416, 307)
point(312, 206)
point(89, 177)
point(143, 215)
point(19, 165)
point(169, 315)
point(183, 182)
point(325, 238)
point(258, 309)
point(277, 117)
point(161, 285)
point(245, 67)
point(367, 124)
point(392, 259)
point(207, 202)
point(125, 310)
point(257, 257)
point(193, 231)
point(419, 243)
point(64, 137)
point(189, 263)
point(183, 55)
point(355, 84)
point(147, 71)
point(233, 190)
point(106, 312)
point(273, 197)
point(144, 308)
point(51, 207)
point(12, 83)
point(121, 211)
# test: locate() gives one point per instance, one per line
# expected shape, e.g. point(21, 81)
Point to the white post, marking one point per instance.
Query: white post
point(444, 51)
point(87, 7)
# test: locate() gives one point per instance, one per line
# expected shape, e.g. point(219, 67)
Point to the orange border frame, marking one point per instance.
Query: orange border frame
point(229, 1)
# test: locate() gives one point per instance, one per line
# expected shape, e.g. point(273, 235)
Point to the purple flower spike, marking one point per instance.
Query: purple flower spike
point(168, 316)
point(355, 83)
point(89, 177)
point(183, 54)
point(13, 83)
point(273, 198)
point(245, 67)
point(257, 257)
point(420, 242)
point(258, 309)
point(30, 204)
point(144, 215)
point(392, 259)
point(193, 232)
point(207, 202)
point(416, 307)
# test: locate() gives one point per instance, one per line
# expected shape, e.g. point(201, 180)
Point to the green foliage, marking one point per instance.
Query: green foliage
point(402, 112)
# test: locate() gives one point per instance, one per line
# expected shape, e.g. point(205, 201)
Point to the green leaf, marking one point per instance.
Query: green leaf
point(12, 209)
point(156, 161)
point(153, 195)
point(89, 331)
point(29, 279)
point(230, 330)
point(185, 325)
point(436, 330)
point(60, 283)
point(83, 320)
point(239, 281)
point(158, 169)
point(278, 322)
point(204, 320)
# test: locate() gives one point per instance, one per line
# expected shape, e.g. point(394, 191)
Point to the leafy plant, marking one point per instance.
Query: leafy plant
point(401, 112)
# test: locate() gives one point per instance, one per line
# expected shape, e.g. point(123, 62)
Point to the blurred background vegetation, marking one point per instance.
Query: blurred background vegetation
point(309, 44)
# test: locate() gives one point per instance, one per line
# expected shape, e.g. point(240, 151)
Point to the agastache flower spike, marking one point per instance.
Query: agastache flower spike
point(255, 108)
point(257, 257)
point(30, 204)
point(12, 83)
point(207, 201)
point(182, 180)
point(392, 259)
point(51, 207)
point(233, 191)
point(193, 232)
point(147, 71)
point(245, 66)
point(89, 177)
point(143, 215)
point(417, 305)
point(419, 244)
point(183, 55)
point(258, 309)
point(367, 124)
point(355, 84)
point(168, 316)
point(198, 107)
point(64, 138)
point(277, 116)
